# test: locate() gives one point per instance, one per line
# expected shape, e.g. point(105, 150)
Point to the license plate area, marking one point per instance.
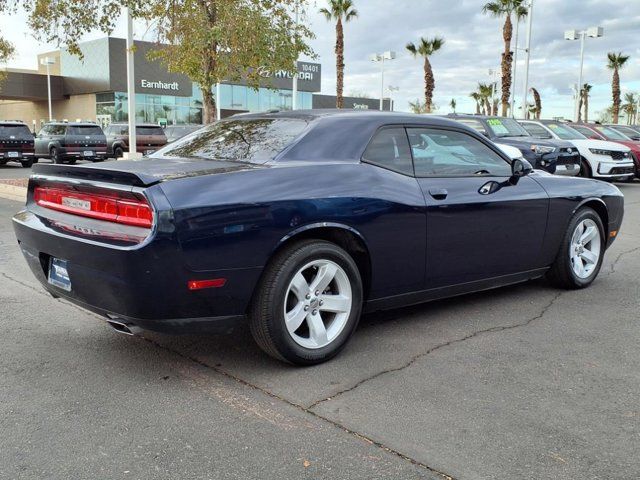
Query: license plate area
point(59, 274)
point(88, 153)
point(13, 154)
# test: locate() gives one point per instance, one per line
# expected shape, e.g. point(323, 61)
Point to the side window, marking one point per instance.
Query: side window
point(57, 129)
point(536, 130)
point(389, 149)
point(446, 153)
point(44, 131)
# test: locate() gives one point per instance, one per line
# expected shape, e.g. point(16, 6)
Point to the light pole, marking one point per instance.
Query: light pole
point(493, 73)
point(593, 32)
point(391, 90)
point(48, 61)
point(131, 89)
point(525, 92)
point(294, 98)
point(381, 57)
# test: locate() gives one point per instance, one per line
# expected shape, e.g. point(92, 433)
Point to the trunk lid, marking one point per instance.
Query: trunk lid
point(142, 173)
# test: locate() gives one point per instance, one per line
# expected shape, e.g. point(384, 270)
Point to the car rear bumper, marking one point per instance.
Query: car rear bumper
point(145, 285)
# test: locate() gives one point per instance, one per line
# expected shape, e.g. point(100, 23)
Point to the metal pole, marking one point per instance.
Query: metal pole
point(515, 70)
point(382, 84)
point(579, 89)
point(526, 64)
point(218, 107)
point(131, 87)
point(49, 91)
point(294, 98)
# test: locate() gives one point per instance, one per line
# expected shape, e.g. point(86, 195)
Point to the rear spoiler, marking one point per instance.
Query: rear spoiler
point(98, 173)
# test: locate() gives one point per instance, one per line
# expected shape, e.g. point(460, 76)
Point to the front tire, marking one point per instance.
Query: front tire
point(581, 252)
point(54, 156)
point(585, 169)
point(307, 304)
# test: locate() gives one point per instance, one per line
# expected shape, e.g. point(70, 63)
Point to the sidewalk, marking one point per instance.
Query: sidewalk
point(14, 189)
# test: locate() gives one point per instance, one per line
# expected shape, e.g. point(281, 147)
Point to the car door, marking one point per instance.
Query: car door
point(473, 232)
point(395, 233)
point(42, 141)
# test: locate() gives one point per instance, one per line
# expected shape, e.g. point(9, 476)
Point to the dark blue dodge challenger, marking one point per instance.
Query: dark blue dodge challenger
point(300, 221)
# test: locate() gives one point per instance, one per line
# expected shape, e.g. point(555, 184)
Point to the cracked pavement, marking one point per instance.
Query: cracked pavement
point(521, 382)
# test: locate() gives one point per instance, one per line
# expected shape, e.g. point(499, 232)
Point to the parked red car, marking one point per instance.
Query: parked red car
point(603, 132)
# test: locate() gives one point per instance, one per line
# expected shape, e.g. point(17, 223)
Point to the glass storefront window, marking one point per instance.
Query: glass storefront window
point(184, 110)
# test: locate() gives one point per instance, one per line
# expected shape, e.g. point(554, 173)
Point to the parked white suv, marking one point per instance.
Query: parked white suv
point(606, 160)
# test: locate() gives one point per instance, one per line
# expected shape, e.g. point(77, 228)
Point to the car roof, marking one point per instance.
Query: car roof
point(369, 116)
point(12, 122)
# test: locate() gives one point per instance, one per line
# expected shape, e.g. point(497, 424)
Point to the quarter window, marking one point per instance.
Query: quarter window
point(389, 149)
point(447, 153)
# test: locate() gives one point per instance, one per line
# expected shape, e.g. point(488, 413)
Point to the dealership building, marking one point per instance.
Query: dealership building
point(94, 88)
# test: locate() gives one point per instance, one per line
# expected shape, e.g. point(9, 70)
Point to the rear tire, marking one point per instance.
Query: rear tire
point(118, 152)
point(292, 322)
point(581, 252)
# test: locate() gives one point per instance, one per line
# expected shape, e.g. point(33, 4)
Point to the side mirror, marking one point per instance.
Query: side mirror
point(520, 168)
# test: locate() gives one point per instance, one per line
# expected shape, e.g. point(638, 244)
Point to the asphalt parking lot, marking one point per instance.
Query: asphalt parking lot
point(521, 382)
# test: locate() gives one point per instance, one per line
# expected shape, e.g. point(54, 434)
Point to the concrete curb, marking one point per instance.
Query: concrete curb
point(13, 192)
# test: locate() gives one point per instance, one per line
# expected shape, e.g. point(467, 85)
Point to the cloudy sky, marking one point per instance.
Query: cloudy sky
point(473, 46)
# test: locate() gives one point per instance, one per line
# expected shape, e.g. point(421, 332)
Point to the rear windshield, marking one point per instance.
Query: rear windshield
point(84, 130)
point(18, 131)
point(149, 131)
point(251, 140)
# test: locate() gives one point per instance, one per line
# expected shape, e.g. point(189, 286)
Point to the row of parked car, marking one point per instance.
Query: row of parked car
point(606, 152)
point(68, 142)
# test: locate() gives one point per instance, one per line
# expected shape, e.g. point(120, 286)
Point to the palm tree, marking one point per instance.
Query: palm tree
point(425, 49)
point(486, 90)
point(615, 62)
point(339, 11)
point(537, 102)
point(506, 8)
point(453, 104)
point(584, 99)
point(478, 99)
point(630, 107)
point(417, 107)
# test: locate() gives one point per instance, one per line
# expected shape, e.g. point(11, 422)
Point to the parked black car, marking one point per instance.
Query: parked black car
point(554, 156)
point(149, 138)
point(175, 132)
point(67, 142)
point(16, 143)
point(298, 221)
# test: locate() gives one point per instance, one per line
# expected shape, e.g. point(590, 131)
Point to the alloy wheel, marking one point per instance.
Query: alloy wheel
point(317, 304)
point(585, 249)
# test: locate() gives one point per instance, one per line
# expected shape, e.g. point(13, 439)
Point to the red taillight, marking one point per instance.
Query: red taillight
point(129, 211)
